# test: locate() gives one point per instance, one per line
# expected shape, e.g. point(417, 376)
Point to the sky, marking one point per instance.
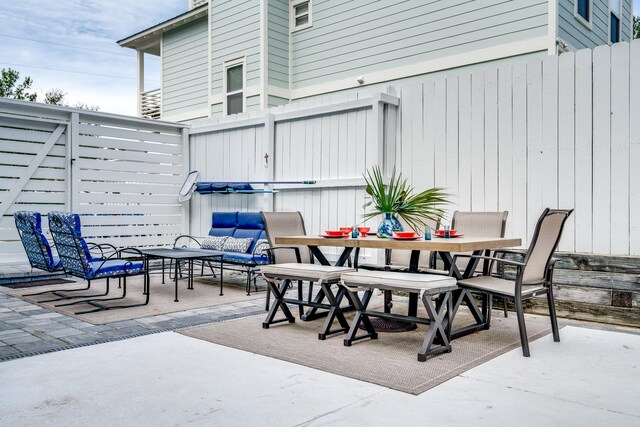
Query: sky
point(71, 45)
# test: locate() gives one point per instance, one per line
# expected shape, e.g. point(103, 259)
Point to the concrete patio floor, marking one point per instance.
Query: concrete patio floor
point(591, 378)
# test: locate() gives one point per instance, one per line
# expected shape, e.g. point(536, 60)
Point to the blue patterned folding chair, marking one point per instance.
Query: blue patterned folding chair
point(77, 260)
point(36, 245)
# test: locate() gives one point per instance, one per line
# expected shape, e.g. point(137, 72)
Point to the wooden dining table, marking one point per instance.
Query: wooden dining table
point(444, 247)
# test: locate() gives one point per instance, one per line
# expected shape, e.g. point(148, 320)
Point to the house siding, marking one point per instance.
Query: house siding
point(579, 36)
point(352, 38)
point(278, 43)
point(235, 33)
point(185, 68)
point(276, 101)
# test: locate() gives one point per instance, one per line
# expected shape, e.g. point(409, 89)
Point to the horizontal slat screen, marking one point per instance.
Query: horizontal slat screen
point(125, 175)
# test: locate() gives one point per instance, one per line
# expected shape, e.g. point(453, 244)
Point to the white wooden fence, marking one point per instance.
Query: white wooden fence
point(329, 143)
point(121, 174)
point(555, 132)
point(559, 132)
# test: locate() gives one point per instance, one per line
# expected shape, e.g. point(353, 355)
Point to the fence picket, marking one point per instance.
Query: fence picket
point(601, 230)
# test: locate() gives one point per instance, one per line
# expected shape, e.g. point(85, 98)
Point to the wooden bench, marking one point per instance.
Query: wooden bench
point(437, 338)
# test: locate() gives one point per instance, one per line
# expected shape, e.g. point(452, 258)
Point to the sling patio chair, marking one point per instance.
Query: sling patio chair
point(77, 261)
point(479, 224)
point(279, 224)
point(294, 263)
point(399, 260)
point(534, 274)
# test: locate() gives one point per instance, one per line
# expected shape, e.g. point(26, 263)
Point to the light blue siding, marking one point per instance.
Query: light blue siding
point(278, 43)
point(361, 36)
point(235, 33)
point(185, 68)
point(579, 36)
point(275, 101)
point(252, 103)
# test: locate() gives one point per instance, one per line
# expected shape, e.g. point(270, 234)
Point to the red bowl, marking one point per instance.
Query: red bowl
point(334, 233)
point(346, 230)
point(405, 234)
point(451, 232)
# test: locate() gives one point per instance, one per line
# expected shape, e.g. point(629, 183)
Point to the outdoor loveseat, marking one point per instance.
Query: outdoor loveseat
point(239, 237)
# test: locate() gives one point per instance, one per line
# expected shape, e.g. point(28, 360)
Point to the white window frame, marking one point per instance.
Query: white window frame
point(292, 15)
point(230, 64)
point(618, 15)
point(579, 17)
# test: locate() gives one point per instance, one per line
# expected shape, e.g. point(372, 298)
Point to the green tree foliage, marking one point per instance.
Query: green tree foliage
point(54, 97)
point(636, 27)
point(10, 88)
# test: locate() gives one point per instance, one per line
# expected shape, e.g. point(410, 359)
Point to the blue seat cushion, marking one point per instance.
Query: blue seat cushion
point(246, 259)
point(115, 267)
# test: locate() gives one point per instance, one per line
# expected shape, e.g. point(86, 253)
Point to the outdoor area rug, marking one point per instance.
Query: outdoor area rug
point(390, 361)
point(206, 293)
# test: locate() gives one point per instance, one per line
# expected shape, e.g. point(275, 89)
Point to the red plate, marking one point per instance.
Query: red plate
point(452, 236)
point(326, 236)
point(405, 238)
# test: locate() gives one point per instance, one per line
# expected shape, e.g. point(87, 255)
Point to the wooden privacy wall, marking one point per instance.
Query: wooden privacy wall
point(561, 132)
point(330, 140)
point(121, 174)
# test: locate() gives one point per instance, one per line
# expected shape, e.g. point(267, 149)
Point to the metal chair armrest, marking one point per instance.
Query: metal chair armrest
point(294, 248)
point(100, 247)
point(488, 258)
point(186, 236)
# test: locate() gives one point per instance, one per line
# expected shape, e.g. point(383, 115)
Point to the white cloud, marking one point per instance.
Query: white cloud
point(37, 38)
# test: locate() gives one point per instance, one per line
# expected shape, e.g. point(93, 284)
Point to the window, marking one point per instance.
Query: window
point(234, 86)
point(300, 14)
point(582, 11)
point(614, 24)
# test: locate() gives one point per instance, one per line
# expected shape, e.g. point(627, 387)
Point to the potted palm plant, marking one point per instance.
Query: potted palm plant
point(399, 198)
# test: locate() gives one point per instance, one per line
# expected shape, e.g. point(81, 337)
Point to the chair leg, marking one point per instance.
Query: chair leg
point(552, 315)
point(524, 340)
point(268, 299)
point(504, 307)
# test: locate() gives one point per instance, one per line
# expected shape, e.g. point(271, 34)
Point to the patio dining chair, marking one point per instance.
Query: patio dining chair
point(295, 264)
point(479, 224)
point(399, 260)
point(77, 261)
point(278, 224)
point(534, 274)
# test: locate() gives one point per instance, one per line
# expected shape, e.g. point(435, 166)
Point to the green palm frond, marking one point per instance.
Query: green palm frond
point(398, 197)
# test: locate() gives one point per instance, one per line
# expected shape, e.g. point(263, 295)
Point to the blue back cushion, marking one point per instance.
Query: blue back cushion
point(250, 224)
point(239, 225)
point(72, 249)
point(223, 223)
point(35, 243)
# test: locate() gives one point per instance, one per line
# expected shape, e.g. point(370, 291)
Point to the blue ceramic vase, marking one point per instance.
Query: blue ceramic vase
point(388, 225)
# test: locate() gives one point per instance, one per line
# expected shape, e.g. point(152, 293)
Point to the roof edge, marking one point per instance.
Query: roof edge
point(176, 21)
